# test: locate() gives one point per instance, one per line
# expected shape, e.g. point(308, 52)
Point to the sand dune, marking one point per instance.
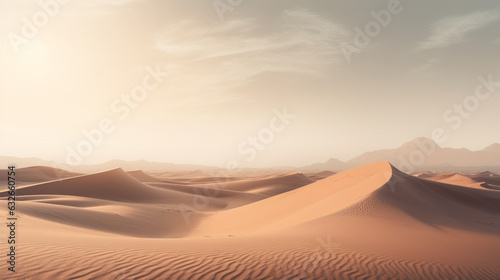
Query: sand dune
point(114, 201)
point(456, 179)
point(270, 185)
point(370, 222)
point(36, 174)
point(479, 180)
point(376, 190)
point(441, 204)
point(113, 185)
point(424, 174)
point(484, 174)
point(301, 205)
point(238, 192)
point(491, 180)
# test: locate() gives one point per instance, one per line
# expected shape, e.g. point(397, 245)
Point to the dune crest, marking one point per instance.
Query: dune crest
point(113, 184)
point(304, 204)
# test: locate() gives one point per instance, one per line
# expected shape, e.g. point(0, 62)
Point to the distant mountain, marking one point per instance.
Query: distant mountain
point(6, 161)
point(142, 165)
point(423, 154)
point(420, 154)
point(493, 148)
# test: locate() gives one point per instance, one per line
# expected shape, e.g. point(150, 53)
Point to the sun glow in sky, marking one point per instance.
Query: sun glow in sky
point(228, 75)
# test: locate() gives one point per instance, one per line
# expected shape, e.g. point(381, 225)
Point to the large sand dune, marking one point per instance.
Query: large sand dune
point(115, 185)
point(372, 190)
point(370, 222)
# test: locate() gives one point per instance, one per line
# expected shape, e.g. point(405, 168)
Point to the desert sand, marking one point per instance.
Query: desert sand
point(369, 222)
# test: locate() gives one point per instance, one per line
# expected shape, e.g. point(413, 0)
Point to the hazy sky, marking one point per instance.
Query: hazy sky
point(190, 81)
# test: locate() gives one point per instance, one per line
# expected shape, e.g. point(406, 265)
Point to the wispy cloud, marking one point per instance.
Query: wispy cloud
point(427, 65)
point(453, 30)
point(232, 53)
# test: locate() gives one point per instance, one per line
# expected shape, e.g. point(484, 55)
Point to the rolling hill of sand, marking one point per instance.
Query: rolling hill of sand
point(370, 222)
point(456, 179)
point(479, 180)
point(372, 190)
point(491, 180)
point(36, 174)
point(115, 201)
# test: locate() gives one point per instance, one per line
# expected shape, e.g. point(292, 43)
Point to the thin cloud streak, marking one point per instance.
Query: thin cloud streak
point(453, 30)
point(229, 55)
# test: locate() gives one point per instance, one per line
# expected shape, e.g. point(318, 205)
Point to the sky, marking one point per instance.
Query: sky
point(263, 83)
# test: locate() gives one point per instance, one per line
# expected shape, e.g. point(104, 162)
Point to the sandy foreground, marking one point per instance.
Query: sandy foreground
point(370, 222)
